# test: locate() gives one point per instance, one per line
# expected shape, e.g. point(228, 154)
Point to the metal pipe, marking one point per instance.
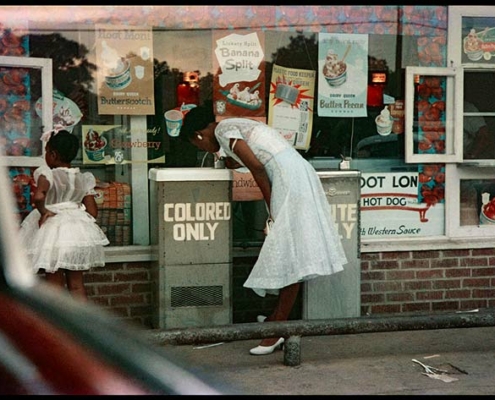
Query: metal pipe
point(320, 327)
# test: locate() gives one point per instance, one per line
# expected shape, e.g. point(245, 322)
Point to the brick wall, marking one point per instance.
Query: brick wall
point(123, 289)
point(391, 282)
point(427, 281)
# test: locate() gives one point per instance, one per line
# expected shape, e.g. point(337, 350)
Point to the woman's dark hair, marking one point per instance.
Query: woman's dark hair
point(196, 119)
point(65, 144)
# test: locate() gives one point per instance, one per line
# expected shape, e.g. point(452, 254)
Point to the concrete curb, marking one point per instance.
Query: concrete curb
point(338, 326)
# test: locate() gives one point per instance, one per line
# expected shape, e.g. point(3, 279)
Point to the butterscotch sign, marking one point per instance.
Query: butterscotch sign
point(244, 187)
point(124, 55)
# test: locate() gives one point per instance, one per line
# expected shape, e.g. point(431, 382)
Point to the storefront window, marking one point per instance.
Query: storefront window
point(184, 73)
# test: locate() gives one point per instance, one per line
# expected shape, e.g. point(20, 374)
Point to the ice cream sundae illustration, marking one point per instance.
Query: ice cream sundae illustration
point(117, 69)
point(472, 46)
point(94, 145)
point(334, 70)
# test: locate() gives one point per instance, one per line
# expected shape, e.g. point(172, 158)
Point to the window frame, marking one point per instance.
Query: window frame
point(45, 65)
point(475, 235)
point(453, 112)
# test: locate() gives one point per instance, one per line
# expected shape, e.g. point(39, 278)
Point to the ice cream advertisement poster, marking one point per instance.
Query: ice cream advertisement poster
point(291, 104)
point(239, 83)
point(124, 58)
point(342, 74)
point(114, 144)
point(478, 40)
point(391, 207)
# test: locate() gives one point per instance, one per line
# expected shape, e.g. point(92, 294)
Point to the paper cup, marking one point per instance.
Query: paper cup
point(383, 128)
point(173, 121)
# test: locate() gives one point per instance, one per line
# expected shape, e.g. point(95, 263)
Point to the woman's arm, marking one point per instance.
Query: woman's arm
point(246, 155)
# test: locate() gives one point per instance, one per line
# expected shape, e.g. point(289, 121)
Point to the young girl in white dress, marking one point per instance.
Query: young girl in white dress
point(61, 235)
point(303, 242)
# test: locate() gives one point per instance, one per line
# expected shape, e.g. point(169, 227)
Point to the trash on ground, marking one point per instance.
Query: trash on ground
point(441, 377)
point(434, 355)
point(436, 373)
point(207, 345)
point(459, 369)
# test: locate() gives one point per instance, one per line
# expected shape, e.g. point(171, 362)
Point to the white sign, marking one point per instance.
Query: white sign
point(239, 57)
point(196, 221)
point(390, 207)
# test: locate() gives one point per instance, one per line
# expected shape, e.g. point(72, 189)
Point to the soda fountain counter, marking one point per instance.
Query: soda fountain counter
point(191, 233)
point(339, 295)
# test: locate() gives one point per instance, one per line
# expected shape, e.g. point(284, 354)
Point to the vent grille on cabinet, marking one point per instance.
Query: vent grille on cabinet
point(196, 296)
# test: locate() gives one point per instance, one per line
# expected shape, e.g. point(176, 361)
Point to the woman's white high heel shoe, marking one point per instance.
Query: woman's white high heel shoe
point(263, 350)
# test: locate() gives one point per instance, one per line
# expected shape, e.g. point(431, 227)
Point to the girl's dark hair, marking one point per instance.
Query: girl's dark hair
point(196, 119)
point(65, 144)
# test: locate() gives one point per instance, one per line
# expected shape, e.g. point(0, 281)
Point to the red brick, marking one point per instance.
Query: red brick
point(417, 285)
point(385, 309)
point(444, 305)
point(438, 295)
point(401, 296)
point(415, 264)
point(479, 282)
point(430, 274)
point(399, 275)
point(446, 284)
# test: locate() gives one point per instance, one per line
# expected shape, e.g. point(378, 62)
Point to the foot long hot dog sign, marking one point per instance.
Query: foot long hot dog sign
point(400, 205)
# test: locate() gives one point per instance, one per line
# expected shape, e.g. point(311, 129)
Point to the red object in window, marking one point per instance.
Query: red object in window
point(188, 89)
point(375, 95)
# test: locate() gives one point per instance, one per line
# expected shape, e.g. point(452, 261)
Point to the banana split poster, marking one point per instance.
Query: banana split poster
point(239, 83)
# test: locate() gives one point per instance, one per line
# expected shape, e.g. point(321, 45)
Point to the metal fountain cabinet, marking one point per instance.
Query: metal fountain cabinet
point(339, 295)
point(191, 236)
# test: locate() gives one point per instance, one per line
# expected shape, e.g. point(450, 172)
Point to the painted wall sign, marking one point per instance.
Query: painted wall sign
point(391, 206)
point(196, 221)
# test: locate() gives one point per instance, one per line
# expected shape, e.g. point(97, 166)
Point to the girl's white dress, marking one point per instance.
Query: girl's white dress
point(304, 242)
point(71, 239)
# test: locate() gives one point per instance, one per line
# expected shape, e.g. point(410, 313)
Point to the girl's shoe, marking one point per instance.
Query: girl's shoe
point(263, 350)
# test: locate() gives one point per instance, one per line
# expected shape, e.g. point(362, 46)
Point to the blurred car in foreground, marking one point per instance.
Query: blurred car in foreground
point(51, 343)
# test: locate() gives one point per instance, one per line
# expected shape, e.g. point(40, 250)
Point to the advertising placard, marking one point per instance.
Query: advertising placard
point(291, 104)
point(342, 74)
point(124, 56)
point(399, 205)
point(113, 144)
point(239, 84)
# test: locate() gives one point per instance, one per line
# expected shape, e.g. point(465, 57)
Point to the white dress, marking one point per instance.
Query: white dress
point(304, 242)
point(71, 239)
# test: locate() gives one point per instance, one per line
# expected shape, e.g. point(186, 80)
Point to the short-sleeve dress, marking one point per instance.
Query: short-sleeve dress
point(71, 239)
point(303, 242)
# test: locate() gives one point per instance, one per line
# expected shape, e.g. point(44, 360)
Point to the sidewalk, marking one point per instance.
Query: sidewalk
point(355, 364)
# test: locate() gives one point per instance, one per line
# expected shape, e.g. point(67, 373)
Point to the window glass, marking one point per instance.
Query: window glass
point(479, 128)
point(477, 202)
point(180, 55)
